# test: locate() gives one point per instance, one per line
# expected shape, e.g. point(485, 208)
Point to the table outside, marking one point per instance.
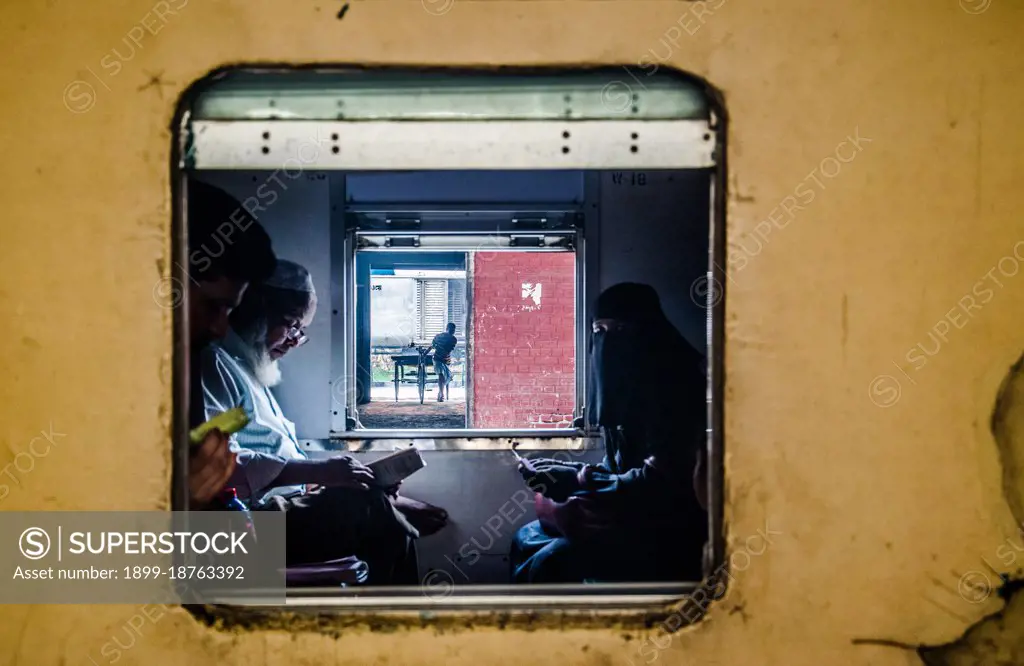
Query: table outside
point(418, 375)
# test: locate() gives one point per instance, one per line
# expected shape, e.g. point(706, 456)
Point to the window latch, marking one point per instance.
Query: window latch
point(526, 241)
point(402, 241)
point(530, 222)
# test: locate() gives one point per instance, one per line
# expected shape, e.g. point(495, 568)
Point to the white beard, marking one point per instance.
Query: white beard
point(268, 372)
point(265, 369)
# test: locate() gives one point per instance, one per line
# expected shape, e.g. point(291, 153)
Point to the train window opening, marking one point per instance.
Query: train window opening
point(479, 339)
point(413, 299)
point(507, 308)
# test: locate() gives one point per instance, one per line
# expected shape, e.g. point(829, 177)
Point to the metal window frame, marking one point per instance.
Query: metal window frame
point(481, 221)
point(293, 146)
point(356, 92)
point(565, 599)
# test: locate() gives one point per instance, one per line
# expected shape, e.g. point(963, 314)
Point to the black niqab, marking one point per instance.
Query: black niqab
point(647, 381)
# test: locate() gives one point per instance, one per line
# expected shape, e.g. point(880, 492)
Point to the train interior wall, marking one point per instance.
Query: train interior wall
point(652, 227)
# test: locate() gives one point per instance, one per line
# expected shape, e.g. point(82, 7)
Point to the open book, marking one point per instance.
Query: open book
point(401, 464)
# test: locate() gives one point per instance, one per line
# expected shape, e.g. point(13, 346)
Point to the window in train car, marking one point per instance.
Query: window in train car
point(479, 339)
point(413, 299)
point(478, 245)
point(486, 262)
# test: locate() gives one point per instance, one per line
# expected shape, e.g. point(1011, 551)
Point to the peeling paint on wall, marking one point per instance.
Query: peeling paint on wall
point(997, 639)
point(532, 292)
point(1008, 430)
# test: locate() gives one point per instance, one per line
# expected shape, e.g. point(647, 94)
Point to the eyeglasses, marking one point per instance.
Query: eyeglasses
point(296, 334)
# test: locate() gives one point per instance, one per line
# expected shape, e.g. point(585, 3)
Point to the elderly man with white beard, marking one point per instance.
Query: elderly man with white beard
point(333, 510)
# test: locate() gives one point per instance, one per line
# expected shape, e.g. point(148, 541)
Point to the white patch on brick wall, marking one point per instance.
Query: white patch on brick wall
point(532, 291)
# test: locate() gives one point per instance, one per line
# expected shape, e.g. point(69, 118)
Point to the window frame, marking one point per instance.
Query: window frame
point(481, 221)
point(631, 598)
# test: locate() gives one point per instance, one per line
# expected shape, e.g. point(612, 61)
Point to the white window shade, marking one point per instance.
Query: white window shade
point(457, 303)
point(431, 308)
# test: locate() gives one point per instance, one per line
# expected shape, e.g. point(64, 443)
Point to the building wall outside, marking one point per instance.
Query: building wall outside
point(523, 347)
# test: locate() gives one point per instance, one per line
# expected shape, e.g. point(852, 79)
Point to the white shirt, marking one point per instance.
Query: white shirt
point(268, 441)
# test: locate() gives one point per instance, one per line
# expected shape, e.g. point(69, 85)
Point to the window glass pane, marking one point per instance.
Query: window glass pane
point(615, 93)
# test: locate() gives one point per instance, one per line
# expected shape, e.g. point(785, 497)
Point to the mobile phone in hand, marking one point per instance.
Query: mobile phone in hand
point(524, 462)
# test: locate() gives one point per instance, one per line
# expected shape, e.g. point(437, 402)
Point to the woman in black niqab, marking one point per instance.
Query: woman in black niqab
point(649, 398)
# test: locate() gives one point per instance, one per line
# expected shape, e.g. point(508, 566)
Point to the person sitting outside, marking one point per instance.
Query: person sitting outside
point(222, 265)
point(333, 509)
point(443, 345)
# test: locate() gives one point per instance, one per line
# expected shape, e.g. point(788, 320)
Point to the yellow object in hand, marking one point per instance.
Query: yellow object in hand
point(228, 422)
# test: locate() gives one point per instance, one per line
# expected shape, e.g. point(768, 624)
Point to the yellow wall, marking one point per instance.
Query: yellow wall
point(882, 510)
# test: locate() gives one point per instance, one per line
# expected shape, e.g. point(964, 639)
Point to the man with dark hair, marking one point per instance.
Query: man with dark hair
point(227, 249)
point(443, 345)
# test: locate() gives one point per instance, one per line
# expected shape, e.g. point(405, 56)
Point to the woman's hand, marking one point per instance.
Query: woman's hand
point(556, 482)
point(210, 467)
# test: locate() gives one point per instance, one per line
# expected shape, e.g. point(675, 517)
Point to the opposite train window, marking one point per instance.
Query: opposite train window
point(466, 289)
point(506, 285)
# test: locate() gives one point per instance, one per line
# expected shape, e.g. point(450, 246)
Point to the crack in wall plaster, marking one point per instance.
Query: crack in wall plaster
point(997, 639)
point(1008, 429)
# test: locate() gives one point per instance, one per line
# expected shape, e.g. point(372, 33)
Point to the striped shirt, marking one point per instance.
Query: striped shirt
point(268, 441)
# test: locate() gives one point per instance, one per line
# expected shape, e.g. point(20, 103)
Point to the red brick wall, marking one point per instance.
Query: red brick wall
point(523, 353)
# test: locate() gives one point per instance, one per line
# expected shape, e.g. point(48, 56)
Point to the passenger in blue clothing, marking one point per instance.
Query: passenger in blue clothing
point(443, 345)
point(640, 515)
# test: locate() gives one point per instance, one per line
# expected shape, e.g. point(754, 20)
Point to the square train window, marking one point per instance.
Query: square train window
point(443, 242)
